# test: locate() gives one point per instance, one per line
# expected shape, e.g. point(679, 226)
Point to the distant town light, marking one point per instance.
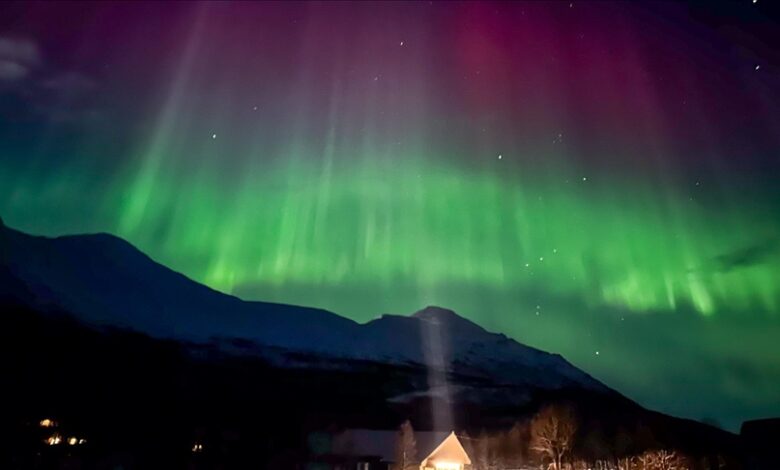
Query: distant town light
point(197, 447)
point(72, 441)
point(82, 441)
point(53, 440)
point(48, 423)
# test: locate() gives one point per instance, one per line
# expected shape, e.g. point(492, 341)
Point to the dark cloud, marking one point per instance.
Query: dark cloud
point(747, 256)
point(70, 83)
point(67, 97)
point(22, 50)
point(11, 71)
point(18, 58)
point(46, 92)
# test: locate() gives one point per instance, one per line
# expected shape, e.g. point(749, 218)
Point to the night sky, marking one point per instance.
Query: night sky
point(599, 180)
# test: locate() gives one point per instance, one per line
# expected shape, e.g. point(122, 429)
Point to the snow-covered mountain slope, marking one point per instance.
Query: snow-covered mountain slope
point(103, 280)
point(435, 336)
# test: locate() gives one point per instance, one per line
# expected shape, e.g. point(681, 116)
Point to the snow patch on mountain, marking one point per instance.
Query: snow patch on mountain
point(104, 280)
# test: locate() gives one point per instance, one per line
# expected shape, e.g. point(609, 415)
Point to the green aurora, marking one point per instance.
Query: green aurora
point(381, 223)
point(590, 180)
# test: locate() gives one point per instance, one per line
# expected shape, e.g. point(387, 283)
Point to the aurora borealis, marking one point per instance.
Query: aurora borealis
point(595, 179)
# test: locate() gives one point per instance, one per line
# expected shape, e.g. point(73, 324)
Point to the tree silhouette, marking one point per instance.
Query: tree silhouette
point(405, 448)
point(552, 433)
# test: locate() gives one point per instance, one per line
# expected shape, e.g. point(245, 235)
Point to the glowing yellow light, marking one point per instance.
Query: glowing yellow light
point(53, 440)
point(197, 447)
point(72, 441)
point(447, 466)
point(47, 423)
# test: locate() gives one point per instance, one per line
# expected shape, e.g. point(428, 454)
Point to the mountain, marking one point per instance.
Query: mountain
point(105, 281)
point(101, 336)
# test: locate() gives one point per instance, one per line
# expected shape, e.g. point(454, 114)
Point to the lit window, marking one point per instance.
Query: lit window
point(447, 466)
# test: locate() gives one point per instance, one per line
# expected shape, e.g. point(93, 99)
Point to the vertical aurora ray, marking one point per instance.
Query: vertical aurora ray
point(432, 229)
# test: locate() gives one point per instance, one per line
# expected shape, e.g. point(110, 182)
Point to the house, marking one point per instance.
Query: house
point(449, 455)
point(368, 449)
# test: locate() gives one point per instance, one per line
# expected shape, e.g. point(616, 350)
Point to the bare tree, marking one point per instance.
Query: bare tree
point(405, 448)
point(669, 460)
point(661, 459)
point(552, 433)
point(646, 460)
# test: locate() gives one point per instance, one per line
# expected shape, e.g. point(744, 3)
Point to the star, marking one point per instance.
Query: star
point(541, 258)
point(500, 156)
point(402, 43)
point(758, 67)
point(584, 178)
point(527, 264)
point(254, 108)
point(213, 136)
point(555, 250)
point(597, 353)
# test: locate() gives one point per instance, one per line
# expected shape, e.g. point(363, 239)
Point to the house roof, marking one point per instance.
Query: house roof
point(450, 450)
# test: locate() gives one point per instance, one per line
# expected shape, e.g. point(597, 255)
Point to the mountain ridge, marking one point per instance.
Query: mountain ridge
point(105, 280)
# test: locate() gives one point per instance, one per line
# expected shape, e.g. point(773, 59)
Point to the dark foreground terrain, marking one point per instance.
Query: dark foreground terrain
point(144, 403)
